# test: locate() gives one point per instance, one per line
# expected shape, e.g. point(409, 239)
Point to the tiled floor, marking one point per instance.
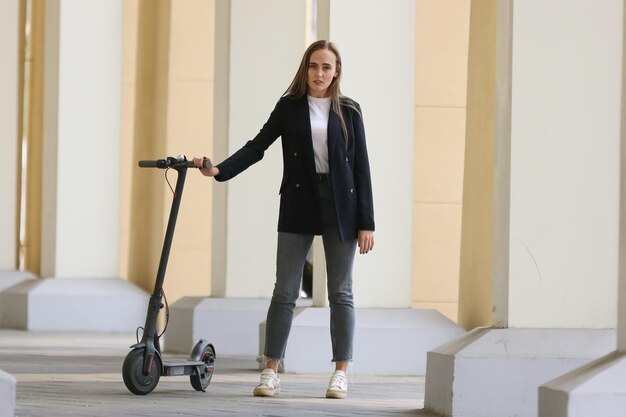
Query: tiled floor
point(77, 374)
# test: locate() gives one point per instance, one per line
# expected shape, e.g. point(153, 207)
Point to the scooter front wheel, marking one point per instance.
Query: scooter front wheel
point(201, 381)
point(135, 379)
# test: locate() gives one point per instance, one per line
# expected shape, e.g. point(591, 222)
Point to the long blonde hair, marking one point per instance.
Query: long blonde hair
point(299, 87)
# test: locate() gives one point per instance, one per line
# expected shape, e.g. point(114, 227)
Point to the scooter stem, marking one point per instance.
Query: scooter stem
point(155, 304)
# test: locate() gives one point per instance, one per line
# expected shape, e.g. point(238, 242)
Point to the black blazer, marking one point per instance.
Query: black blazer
point(299, 198)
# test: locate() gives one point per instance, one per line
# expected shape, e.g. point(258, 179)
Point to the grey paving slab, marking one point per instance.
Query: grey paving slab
point(78, 374)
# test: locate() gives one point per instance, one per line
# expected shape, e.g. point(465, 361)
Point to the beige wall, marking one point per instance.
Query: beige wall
point(166, 111)
point(33, 127)
point(442, 34)
point(189, 131)
point(477, 231)
point(144, 106)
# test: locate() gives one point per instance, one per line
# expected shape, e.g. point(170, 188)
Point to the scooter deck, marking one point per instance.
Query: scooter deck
point(181, 367)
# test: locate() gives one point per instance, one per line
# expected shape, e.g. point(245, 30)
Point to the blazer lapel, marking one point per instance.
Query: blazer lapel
point(305, 118)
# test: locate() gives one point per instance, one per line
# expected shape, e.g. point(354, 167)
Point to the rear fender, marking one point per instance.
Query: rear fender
point(196, 353)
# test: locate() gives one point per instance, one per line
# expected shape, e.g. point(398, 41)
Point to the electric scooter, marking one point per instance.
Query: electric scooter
point(144, 364)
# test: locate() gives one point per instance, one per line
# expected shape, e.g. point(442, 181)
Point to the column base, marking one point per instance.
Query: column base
point(230, 324)
point(73, 304)
point(496, 372)
point(596, 389)
point(11, 278)
point(7, 394)
point(386, 341)
point(236, 327)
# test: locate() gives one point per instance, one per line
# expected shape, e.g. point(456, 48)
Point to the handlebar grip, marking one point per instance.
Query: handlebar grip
point(159, 163)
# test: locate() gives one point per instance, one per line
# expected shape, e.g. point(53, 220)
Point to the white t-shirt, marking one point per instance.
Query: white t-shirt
point(319, 108)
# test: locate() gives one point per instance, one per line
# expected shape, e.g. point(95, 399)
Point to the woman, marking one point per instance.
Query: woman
point(326, 190)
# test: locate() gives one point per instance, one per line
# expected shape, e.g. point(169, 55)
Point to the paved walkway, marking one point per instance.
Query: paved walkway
point(78, 374)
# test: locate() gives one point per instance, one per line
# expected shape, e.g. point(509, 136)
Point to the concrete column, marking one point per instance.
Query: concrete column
point(9, 84)
point(389, 118)
point(554, 214)
point(81, 131)
point(564, 187)
point(82, 84)
point(598, 388)
point(266, 41)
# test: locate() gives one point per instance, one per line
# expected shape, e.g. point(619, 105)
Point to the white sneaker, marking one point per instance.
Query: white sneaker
point(338, 385)
point(269, 385)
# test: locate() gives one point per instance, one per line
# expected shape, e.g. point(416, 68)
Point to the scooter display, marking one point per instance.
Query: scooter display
point(144, 364)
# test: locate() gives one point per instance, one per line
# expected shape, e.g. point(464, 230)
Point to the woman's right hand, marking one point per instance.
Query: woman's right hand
point(205, 166)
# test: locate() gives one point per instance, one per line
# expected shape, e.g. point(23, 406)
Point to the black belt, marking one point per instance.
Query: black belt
point(322, 177)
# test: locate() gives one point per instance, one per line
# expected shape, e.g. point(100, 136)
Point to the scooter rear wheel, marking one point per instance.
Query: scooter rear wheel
point(135, 379)
point(201, 382)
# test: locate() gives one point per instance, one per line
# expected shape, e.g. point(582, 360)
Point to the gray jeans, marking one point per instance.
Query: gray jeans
point(290, 257)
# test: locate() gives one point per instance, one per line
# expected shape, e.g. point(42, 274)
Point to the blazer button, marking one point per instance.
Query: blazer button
point(351, 190)
point(295, 154)
point(347, 160)
point(297, 185)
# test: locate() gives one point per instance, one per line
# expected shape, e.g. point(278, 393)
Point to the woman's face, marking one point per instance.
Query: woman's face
point(322, 71)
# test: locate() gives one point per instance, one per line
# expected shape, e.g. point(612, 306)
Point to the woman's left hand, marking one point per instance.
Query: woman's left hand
point(365, 240)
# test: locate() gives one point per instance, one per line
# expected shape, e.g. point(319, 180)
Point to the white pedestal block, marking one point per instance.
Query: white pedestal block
point(386, 341)
point(230, 324)
point(595, 389)
point(10, 278)
point(68, 304)
point(497, 372)
point(7, 395)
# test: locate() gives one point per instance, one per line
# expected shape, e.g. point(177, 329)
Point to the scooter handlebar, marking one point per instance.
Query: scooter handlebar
point(170, 161)
point(159, 163)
